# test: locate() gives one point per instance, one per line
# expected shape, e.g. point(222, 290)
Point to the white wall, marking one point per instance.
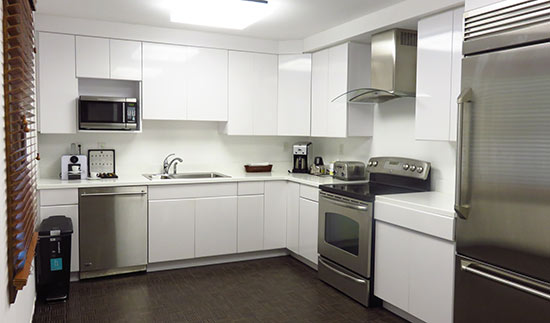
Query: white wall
point(475, 4)
point(23, 308)
point(200, 144)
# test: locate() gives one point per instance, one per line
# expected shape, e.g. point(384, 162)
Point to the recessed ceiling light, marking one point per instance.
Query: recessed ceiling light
point(229, 14)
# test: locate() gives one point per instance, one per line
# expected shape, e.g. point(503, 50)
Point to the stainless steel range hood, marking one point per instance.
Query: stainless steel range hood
point(393, 68)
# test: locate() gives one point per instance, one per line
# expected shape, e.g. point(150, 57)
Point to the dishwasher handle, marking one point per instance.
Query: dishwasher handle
point(113, 194)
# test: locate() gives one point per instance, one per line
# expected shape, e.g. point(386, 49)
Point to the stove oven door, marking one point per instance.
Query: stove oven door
point(345, 232)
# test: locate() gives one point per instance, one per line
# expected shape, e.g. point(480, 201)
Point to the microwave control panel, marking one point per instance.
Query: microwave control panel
point(131, 112)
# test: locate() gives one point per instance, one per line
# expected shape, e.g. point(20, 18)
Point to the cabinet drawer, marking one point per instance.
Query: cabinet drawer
point(309, 192)
point(251, 188)
point(192, 191)
point(429, 223)
point(58, 197)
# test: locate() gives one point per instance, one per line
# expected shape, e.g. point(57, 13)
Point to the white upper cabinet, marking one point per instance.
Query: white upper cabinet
point(164, 91)
point(335, 71)
point(294, 97)
point(252, 94)
point(57, 83)
point(125, 60)
point(92, 57)
point(438, 75)
point(108, 58)
point(206, 84)
point(475, 4)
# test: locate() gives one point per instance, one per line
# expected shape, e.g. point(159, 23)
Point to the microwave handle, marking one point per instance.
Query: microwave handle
point(124, 112)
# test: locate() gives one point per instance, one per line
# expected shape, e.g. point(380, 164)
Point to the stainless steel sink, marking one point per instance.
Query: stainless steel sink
point(185, 176)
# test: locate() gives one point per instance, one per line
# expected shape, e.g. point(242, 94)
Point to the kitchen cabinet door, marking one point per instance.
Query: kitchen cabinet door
point(275, 215)
point(294, 97)
point(70, 211)
point(309, 224)
point(319, 97)
point(92, 57)
point(207, 84)
point(125, 60)
point(265, 94)
point(164, 87)
point(215, 226)
point(171, 230)
point(250, 227)
point(438, 75)
point(241, 97)
point(431, 278)
point(57, 83)
point(391, 264)
point(337, 84)
point(293, 218)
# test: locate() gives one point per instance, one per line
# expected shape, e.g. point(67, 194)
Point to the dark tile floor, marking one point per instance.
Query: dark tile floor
point(270, 290)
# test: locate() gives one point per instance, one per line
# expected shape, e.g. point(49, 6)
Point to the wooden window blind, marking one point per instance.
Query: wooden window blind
point(20, 135)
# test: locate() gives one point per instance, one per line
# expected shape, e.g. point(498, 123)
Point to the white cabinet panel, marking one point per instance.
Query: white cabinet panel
point(241, 96)
point(275, 209)
point(171, 230)
point(207, 84)
point(319, 98)
point(163, 192)
point(431, 279)
point(309, 224)
point(391, 265)
point(125, 60)
point(337, 85)
point(475, 4)
point(294, 96)
point(70, 211)
point(57, 83)
point(309, 192)
point(59, 197)
point(251, 188)
point(215, 226)
point(164, 88)
point(252, 94)
point(293, 218)
point(456, 70)
point(250, 227)
point(92, 57)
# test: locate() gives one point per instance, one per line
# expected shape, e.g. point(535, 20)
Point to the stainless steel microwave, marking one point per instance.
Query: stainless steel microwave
point(107, 113)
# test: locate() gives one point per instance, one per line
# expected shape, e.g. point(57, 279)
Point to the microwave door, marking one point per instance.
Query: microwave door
point(102, 115)
point(504, 172)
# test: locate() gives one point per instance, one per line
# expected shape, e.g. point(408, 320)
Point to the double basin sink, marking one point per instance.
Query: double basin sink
point(201, 175)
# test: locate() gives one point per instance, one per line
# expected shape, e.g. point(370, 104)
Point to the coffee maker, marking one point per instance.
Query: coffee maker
point(302, 157)
point(74, 167)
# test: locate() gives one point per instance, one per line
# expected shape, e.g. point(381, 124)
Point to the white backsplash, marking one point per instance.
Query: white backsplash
point(204, 148)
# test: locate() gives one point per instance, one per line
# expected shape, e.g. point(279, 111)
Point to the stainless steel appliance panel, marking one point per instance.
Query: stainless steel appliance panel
point(489, 295)
point(503, 176)
point(345, 232)
point(113, 228)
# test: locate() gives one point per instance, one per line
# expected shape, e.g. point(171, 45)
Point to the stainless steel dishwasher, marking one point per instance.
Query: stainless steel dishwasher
point(113, 230)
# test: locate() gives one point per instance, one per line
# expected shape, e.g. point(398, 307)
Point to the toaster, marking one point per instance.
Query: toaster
point(349, 170)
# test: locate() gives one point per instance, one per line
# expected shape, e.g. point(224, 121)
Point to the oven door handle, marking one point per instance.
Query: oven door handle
point(349, 206)
point(328, 266)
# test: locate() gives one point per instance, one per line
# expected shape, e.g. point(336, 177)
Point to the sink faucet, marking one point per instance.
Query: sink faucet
point(166, 165)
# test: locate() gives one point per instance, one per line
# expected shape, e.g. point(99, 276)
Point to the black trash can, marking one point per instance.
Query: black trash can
point(53, 258)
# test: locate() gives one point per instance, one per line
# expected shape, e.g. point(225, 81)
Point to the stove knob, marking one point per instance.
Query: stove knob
point(406, 166)
point(413, 168)
point(375, 163)
point(370, 164)
point(420, 169)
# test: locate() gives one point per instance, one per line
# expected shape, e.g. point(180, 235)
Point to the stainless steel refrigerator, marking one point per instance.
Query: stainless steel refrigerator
point(503, 166)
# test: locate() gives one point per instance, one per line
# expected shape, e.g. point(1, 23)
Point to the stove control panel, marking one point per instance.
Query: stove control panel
point(399, 166)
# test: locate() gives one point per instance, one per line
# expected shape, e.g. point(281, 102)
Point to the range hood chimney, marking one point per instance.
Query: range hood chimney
point(393, 68)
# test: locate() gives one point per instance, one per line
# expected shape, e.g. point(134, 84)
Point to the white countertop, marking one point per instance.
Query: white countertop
point(236, 176)
point(434, 202)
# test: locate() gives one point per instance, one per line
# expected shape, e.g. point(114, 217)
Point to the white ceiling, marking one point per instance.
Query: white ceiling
point(293, 19)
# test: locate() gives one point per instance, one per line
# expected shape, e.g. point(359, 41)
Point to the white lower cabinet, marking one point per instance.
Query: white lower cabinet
point(250, 228)
point(70, 211)
point(293, 218)
point(414, 272)
point(308, 232)
point(215, 226)
point(171, 230)
point(275, 215)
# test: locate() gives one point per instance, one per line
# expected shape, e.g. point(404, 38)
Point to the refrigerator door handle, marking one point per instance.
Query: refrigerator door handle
point(461, 209)
point(500, 276)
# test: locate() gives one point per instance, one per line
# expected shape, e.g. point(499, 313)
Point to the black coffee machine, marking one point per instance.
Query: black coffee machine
point(302, 157)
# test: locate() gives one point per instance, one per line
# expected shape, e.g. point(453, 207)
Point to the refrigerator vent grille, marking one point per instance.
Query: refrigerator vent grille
point(514, 16)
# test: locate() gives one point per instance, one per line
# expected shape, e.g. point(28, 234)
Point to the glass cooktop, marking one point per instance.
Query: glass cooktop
point(365, 191)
